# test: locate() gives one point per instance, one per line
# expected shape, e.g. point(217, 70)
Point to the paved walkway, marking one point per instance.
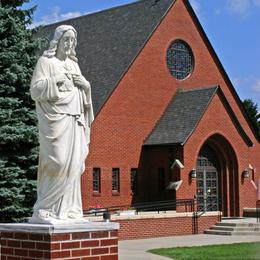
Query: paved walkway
point(136, 249)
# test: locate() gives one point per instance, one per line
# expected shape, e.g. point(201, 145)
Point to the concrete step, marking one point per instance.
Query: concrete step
point(231, 233)
point(237, 228)
point(218, 232)
point(233, 224)
point(234, 228)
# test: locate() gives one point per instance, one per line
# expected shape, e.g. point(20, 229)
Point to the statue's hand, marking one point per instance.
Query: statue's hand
point(80, 81)
point(60, 79)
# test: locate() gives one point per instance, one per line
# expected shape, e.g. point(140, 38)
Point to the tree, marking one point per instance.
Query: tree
point(18, 131)
point(252, 111)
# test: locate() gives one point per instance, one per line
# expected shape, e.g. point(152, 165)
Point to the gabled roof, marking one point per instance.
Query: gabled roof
point(181, 117)
point(221, 69)
point(183, 114)
point(108, 42)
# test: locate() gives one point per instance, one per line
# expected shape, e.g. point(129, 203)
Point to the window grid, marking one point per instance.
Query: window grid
point(115, 180)
point(96, 180)
point(180, 60)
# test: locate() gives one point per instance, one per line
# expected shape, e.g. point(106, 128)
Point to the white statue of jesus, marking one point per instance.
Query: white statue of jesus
point(65, 113)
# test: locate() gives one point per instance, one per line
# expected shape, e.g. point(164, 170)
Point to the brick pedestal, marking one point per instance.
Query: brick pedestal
point(88, 241)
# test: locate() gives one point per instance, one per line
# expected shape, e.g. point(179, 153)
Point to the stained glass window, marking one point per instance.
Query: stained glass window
point(180, 60)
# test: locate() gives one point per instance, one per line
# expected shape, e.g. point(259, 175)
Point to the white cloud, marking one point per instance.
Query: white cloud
point(33, 25)
point(256, 87)
point(255, 93)
point(247, 87)
point(239, 6)
point(256, 2)
point(241, 82)
point(195, 5)
point(242, 7)
point(55, 16)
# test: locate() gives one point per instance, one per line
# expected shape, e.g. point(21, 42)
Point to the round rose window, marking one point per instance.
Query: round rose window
point(180, 60)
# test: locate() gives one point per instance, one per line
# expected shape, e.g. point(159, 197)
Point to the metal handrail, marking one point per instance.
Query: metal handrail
point(146, 206)
point(197, 214)
point(99, 211)
point(208, 207)
point(164, 205)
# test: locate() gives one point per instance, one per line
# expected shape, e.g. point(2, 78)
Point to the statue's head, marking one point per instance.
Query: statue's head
point(61, 32)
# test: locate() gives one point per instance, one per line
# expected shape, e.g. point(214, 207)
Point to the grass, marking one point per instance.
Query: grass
point(241, 251)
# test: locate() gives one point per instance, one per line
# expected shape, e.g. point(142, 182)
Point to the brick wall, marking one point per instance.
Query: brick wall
point(98, 245)
point(162, 226)
point(138, 102)
point(240, 192)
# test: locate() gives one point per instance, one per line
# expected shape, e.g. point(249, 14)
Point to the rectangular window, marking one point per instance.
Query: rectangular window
point(96, 180)
point(161, 179)
point(133, 180)
point(115, 180)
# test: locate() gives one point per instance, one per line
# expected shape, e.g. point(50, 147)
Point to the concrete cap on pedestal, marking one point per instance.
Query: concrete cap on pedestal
point(59, 228)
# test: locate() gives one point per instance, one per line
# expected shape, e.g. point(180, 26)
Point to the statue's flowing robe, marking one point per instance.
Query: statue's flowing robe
point(65, 114)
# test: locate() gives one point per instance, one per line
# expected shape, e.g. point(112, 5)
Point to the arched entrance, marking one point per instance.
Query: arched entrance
point(207, 179)
point(217, 176)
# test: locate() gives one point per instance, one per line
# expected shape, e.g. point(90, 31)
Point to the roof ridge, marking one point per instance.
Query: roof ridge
point(141, 48)
point(110, 41)
point(175, 94)
point(202, 112)
point(105, 10)
point(181, 90)
point(172, 105)
point(221, 68)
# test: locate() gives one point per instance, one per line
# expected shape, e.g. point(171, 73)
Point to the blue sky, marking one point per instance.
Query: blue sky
point(233, 27)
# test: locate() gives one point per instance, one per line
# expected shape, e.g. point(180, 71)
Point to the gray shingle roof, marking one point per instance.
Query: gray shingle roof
point(181, 116)
point(108, 41)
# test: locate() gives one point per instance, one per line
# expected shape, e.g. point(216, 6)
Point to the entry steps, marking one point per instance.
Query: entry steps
point(237, 227)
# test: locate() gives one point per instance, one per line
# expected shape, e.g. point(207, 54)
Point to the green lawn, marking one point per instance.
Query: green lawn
point(241, 251)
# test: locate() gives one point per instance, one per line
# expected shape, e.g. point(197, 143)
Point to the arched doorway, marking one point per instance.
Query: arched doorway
point(208, 191)
point(217, 177)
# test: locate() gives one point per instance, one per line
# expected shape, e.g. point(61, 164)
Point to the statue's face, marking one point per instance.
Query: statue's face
point(66, 42)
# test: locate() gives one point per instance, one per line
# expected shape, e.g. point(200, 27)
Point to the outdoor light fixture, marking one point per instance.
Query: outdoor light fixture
point(245, 173)
point(106, 216)
point(193, 174)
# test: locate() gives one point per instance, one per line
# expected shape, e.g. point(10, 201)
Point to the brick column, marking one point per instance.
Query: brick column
point(88, 241)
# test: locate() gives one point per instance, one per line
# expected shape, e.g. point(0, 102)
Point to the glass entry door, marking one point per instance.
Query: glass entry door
point(207, 187)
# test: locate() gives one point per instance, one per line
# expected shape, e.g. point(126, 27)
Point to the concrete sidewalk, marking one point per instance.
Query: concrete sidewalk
point(136, 249)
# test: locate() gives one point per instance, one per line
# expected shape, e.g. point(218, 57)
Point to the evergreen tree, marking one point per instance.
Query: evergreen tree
point(252, 111)
point(18, 130)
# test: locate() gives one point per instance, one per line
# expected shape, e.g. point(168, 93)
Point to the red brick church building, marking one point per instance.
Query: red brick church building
point(165, 111)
